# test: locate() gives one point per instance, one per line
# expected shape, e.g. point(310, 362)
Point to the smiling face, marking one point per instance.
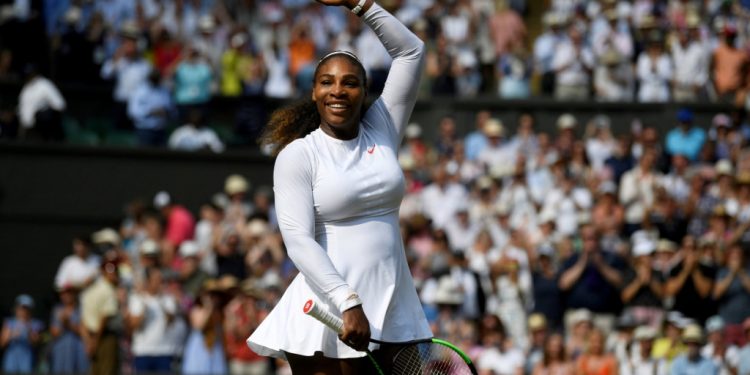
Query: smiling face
point(339, 93)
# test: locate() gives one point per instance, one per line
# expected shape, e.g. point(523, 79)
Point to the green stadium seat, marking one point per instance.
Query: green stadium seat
point(121, 139)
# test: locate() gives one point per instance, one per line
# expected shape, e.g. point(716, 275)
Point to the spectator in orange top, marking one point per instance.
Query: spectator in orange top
point(301, 50)
point(596, 361)
point(507, 28)
point(727, 66)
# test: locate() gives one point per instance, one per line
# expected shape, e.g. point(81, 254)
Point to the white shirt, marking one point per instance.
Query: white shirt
point(496, 155)
point(500, 363)
point(654, 77)
point(190, 138)
point(129, 75)
point(37, 95)
point(690, 64)
point(441, 204)
point(461, 237)
point(599, 150)
point(614, 83)
point(75, 271)
point(637, 193)
point(150, 338)
point(575, 64)
point(567, 207)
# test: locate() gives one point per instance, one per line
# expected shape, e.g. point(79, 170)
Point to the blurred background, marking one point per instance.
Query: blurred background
point(577, 165)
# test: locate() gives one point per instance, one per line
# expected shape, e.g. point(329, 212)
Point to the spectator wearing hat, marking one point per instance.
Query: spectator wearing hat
point(654, 70)
point(497, 151)
point(592, 278)
point(640, 360)
point(150, 109)
point(180, 225)
point(150, 312)
point(476, 141)
point(19, 337)
point(670, 344)
point(614, 78)
point(643, 289)
point(600, 144)
point(727, 66)
point(566, 135)
point(573, 62)
point(238, 209)
point(732, 292)
point(723, 354)
point(128, 69)
point(40, 107)
point(80, 268)
point(545, 46)
point(720, 133)
point(692, 362)
point(538, 333)
point(67, 353)
point(191, 275)
point(685, 139)
point(691, 69)
point(242, 315)
point(638, 190)
point(568, 201)
point(101, 322)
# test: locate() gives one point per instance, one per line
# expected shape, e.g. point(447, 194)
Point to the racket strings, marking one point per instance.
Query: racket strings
point(429, 358)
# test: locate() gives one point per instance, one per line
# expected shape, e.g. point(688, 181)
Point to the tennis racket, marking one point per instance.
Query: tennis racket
point(418, 357)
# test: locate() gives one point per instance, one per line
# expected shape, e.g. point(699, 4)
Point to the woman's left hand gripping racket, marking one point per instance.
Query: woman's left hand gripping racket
point(418, 357)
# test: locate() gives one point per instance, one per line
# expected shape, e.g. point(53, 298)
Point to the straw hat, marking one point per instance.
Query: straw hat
point(692, 333)
point(236, 184)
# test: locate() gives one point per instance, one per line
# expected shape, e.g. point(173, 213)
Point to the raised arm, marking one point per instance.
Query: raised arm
point(407, 51)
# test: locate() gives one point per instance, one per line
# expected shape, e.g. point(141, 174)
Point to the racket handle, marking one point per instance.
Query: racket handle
point(324, 316)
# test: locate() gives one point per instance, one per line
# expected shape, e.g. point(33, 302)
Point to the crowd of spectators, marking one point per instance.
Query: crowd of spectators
point(572, 252)
point(166, 60)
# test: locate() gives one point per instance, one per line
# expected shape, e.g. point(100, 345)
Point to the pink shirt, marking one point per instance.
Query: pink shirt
point(180, 225)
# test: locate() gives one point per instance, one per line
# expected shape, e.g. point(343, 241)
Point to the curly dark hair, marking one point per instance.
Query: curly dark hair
point(301, 118)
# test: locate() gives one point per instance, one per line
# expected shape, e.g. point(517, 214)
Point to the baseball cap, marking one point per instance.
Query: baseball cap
point(714, 324)
point(537, 321)
point(566, 121)
point(162, 199)
point(692, 333)
point(25, 300)
point(684, 115)
point(236, 184)
point(189, 249)
point(644, 333)
point(149, 248)
point(493, 128)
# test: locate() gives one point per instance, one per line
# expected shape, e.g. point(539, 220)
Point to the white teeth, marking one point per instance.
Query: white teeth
point(337, 105)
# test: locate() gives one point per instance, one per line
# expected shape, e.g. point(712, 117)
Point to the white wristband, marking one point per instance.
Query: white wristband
point(356, 10)
point(350, 302)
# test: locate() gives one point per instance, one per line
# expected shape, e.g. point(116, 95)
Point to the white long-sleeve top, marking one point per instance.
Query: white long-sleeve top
point(337, 205)
point(37, 95)
point(690, 64)
point(654, 76)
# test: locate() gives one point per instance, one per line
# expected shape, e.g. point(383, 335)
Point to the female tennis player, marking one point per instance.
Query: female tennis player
point(338, 188)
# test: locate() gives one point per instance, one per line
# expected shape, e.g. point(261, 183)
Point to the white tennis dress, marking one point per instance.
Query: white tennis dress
point(337, 203)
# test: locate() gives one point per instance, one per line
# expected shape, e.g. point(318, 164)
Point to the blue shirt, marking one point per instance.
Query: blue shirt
point(193, 83)
point(685, 143)
point(682, 366)
point(144, 102)
point(743, 368)
point(474, 144)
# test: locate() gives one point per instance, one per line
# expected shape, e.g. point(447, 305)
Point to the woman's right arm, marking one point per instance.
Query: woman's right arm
point(293, 180)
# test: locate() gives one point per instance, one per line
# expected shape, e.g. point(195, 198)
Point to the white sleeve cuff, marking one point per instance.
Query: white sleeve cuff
point(344, 298)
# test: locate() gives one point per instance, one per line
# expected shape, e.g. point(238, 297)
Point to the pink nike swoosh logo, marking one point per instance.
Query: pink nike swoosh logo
point(371, 149)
